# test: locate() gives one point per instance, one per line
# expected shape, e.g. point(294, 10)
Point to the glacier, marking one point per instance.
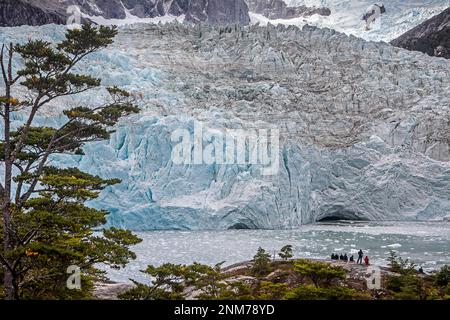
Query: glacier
point(401, 16)
point(364, 126)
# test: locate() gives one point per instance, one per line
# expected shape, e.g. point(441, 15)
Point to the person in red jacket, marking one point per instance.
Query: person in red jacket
point(366, 260)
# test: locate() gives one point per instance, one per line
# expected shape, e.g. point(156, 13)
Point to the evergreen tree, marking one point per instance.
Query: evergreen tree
point(171, 282)
point(286, 252)
point(400, 265)
point(167, 284)
point(406, 287)
point(261, 262)
point(209, 281)
point(443, 276)
point(46, 226)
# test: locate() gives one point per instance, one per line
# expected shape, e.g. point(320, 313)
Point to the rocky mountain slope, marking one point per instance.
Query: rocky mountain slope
point(341, 15)
point(364, 126)
point(431, 37)
point(40, 12)
point(400, 17)
point(19, 12)
point(278, 9)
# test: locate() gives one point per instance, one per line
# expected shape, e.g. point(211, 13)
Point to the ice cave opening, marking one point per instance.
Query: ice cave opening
point(341, 215)
point(239, 226)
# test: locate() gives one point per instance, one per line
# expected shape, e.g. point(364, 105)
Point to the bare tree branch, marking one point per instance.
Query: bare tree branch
point(5, 79)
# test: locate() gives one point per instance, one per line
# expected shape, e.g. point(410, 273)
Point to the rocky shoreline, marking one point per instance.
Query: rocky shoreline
point(357, 275)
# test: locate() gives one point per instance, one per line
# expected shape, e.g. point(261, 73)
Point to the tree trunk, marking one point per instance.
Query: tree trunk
point(8, 280)
point(8, 283)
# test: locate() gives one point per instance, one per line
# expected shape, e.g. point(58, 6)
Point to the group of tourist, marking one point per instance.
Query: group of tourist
point(344, 257)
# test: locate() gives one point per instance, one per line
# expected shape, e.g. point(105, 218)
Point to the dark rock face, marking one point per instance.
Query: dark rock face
point(227, 12)
point(38, 12)
point(278, 9)
point(108, 8)
point(431, 37)
point(17, 12)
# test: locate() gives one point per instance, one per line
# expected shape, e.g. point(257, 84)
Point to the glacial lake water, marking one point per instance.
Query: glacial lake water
point(426, 243)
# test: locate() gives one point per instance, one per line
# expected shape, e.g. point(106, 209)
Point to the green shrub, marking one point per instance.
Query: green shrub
point(447, 293)
point(272, 291)
point(315, 293)
point(320, 273)
point(261, 262)
point(399, 265)
point(443, 276)
point(167, 284)
point(406, 287)
point(237, 290)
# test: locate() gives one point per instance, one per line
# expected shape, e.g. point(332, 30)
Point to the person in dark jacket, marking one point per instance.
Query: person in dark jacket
point(352, 259)
point(345, 257)
point(360, 256)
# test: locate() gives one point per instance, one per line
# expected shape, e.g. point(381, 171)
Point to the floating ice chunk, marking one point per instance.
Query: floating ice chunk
point(394, 245)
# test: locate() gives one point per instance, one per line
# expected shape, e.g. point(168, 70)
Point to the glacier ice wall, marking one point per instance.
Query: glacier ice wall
point(364, 126)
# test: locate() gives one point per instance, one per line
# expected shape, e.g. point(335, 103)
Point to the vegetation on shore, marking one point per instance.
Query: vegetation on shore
point(46, 227)
point(298, 279)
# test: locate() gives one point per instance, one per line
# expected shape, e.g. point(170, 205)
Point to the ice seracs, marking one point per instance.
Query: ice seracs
point(363, 126)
